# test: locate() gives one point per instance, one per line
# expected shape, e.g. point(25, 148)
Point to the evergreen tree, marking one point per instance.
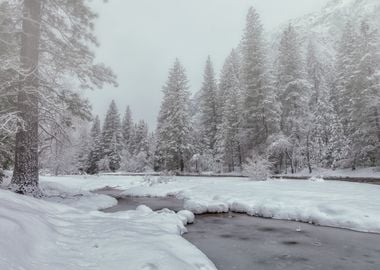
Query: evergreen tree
point(261, 109)
point(127, 129)
point(52, 41)
point(140, 138)
point(230, 97)
point(174, 145)
point(315, 72)
point(364, 129)
point(112, 137)
point(209, 108)
point(95, 154)
point(229, 75)
point(294, 95)
point(84, 149)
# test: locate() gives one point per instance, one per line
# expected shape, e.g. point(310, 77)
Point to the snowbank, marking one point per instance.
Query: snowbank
point(331, 203)
point(39, 235)
point(371, 172)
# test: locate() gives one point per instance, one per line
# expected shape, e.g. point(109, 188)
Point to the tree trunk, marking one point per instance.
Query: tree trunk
point(25, 175)
point(308, 151)
point(182, 165)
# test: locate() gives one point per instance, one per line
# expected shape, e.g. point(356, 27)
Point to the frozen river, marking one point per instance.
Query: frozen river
point(237, 241)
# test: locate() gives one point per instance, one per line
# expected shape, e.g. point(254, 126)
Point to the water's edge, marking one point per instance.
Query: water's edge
point(238, 241)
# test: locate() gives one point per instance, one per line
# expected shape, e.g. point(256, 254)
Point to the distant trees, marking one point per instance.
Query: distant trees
point(92, 150)
point(305, 112)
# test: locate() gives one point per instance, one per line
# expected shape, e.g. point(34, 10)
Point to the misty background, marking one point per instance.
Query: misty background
point(140, 39)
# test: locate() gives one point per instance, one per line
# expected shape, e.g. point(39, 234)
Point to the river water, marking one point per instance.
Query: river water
point(237, 241)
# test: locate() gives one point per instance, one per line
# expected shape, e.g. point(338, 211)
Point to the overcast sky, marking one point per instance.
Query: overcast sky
point(141, 38)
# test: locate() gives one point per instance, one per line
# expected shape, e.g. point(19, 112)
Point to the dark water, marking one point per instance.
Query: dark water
point(237, 241)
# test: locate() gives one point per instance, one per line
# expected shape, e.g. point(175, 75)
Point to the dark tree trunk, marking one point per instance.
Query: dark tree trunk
point(25, 175)
point(308, 152)
point(182, 165)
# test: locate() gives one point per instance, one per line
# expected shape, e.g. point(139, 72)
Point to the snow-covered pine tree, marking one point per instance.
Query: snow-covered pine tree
point(95, 154)
point(112, 137)
point(174, 143)
point(209, 108)
point(230, 106)
point(358, 87)
point(294, 94)
point(53, 43)
point(84, 148)
point(315, 72)
point(140, 138)
point(365, 110)
point(228, 75)
point(261, 109)
point(345, 81)
point(127, 129)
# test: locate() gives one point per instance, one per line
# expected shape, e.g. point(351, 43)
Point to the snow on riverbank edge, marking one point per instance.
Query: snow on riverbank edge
point(328, 203)
point(38, 234)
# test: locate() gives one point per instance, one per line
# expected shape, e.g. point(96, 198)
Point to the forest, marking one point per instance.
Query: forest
point(278, 104)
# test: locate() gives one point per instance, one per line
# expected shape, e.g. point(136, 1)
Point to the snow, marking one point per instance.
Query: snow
point(370, 172)
point(65, 230)
point(187, 216)
point(330, 203)
point(353, 206)
point(69, 234)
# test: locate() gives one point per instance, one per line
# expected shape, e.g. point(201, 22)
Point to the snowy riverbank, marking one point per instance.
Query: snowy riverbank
point(330, 203)
point(65, 231)
point(38, 234)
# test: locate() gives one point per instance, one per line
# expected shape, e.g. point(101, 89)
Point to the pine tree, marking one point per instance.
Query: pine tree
point(229, 75)
point(261, 109)
point(358, 87)
point(112, 137)
point(84, 149)
point(230, 107)
point(365, 115)
point(294, 95)
point(127, 129)
point(315, 72)
point(209, 107)
point(53, 40)
point(140, 138)
point(95, 154)
point(174, 144)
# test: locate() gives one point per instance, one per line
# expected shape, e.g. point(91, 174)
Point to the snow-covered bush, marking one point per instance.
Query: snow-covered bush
point(257, 168)
point(138, 163)
point(154, 180)
point(316, 179)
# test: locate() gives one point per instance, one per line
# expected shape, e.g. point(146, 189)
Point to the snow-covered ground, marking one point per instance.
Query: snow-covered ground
point(371, 172)
point(66, 233)
point(331, 203)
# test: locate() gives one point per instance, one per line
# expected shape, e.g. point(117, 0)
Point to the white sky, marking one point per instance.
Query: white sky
point(140, 39)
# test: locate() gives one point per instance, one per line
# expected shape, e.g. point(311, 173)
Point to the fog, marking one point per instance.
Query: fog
point(140, 40)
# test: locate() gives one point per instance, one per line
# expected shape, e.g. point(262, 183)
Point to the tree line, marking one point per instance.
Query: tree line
point(117, 144)
point(292, 108)
point(297, 110)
